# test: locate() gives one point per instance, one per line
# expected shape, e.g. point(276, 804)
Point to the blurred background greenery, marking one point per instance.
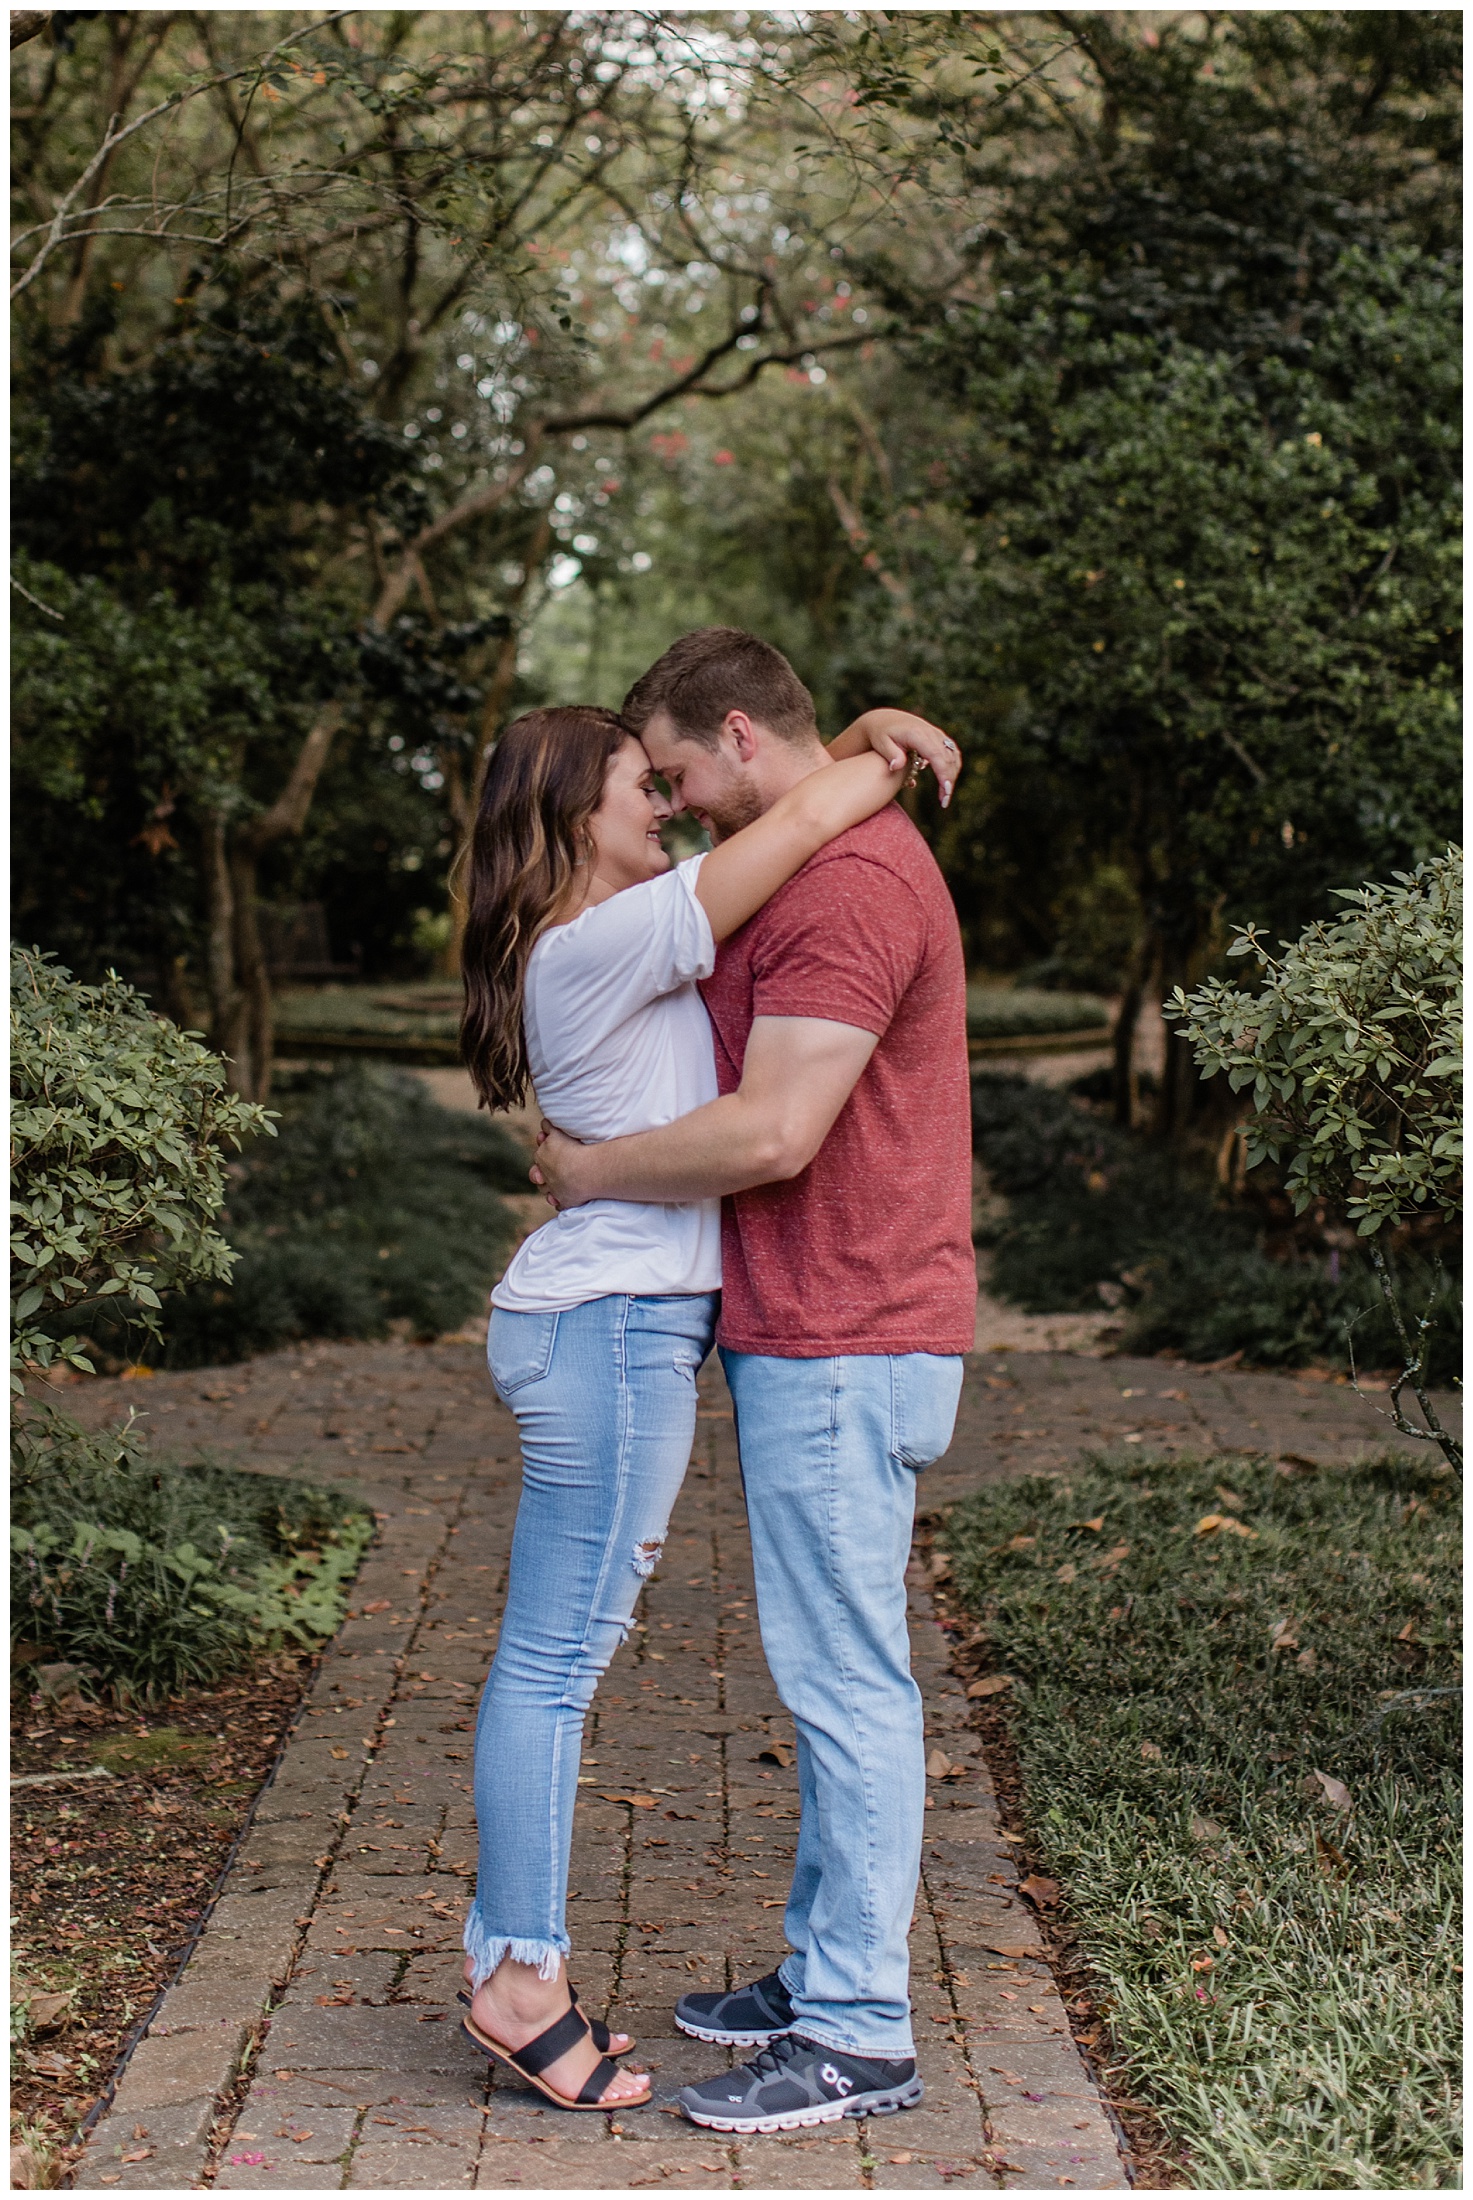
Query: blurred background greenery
point(1088, 381)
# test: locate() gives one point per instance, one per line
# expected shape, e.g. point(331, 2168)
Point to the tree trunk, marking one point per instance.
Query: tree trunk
point(1122, 1068)
point(255, 980)
point(242, 1026)
point(228, 1026)
point(498, 694)
point(1178, 1070)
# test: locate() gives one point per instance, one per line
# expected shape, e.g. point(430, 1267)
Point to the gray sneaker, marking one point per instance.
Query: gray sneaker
point(795, 2082)
point(749, 2016)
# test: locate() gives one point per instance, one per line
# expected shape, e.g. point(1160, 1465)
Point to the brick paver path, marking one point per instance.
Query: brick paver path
point(312, 2040)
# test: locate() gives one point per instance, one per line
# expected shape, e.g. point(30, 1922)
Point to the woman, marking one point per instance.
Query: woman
point(582, 954)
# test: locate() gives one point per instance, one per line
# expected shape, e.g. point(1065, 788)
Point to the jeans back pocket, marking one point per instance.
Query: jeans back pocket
point(519, 1349)
point(926, 1389)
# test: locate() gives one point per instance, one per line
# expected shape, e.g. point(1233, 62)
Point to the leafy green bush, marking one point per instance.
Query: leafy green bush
point(117, 1130)
point(152, 1574)
point(1007, 1012)
point(1092, 1206)
point(1234, 1759)
point(1353, 1047)
point(372, 1205)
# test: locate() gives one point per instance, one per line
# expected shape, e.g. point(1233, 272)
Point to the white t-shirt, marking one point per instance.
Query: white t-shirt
point(618, 1041)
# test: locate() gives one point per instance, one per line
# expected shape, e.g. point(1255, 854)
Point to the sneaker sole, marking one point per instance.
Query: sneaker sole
point(888, 2103)
point(717, 2036)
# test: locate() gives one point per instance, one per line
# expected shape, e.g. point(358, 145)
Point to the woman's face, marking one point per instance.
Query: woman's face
point(625, 828)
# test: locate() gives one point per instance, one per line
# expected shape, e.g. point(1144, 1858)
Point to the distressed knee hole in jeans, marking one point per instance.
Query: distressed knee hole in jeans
point(647, 1557)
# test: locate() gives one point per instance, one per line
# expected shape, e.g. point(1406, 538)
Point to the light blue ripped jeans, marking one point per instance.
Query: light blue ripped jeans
point(605, 1399)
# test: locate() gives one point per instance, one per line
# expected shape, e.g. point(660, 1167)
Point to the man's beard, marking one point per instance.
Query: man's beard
point(739, 805)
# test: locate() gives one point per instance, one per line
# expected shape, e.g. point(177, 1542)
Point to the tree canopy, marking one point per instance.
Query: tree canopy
point(1086, 379)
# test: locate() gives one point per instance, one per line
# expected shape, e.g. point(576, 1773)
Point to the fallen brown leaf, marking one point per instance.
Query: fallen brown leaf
point(1334, 1791)
point(776, 1753)
point(1042, 1892)
point(1219, 1936)
point(991, 1684)
point(1222, 1524)
point(640, 1802)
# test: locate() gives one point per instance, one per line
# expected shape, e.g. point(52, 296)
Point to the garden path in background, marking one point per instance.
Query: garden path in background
point(312, 2040)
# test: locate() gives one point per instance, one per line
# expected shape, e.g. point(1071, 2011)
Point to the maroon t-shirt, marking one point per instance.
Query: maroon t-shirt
point(870, 1249)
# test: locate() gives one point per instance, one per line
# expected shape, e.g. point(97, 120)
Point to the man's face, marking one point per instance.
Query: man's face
point(715, 785)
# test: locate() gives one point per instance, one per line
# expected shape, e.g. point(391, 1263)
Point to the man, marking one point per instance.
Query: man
point(842, 1144)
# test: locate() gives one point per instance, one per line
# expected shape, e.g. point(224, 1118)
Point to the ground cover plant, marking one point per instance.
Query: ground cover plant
point(1098, 1213)
point(136, 1575)
point(1025, 1012)
point(372, 1205)
point(409, 1019)
point(1230, 1709)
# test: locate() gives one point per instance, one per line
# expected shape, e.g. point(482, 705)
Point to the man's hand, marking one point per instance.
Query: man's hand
point(797, 1075)
point(564, 1169)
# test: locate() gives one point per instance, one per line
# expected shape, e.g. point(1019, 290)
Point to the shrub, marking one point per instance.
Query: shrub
point(1352, 1046)
point(151, 1575)
point(1004, 1012)
point(372, 1205)
point(1092, 1206)
point(117, 1134)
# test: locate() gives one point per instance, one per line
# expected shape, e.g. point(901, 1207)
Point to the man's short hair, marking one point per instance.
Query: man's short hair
point(716, 669)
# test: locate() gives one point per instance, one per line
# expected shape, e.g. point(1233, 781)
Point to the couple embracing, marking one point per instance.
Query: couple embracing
point(756, 1064)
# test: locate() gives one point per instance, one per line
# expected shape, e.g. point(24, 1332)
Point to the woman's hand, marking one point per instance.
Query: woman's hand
point(900, 736)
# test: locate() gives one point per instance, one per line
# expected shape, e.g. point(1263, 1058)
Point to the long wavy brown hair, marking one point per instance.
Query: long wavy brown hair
point(544, 782)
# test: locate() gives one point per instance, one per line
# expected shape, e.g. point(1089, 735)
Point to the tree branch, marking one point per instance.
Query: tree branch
point(288, 813)
point(113, 137)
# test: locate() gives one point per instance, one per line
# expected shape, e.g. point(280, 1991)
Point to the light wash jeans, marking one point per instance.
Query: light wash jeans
point(605, 1399)
point(829, 1452)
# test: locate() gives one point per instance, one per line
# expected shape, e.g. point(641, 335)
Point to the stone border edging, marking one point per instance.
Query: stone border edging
point(198, 2037)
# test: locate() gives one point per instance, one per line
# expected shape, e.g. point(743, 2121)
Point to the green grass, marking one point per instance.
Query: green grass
point(414, 1016)
point(1018, 1012)
point(1279, 1974)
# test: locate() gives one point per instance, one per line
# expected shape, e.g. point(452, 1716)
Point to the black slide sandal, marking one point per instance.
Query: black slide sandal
point(602, 2037)
point(530, 2061)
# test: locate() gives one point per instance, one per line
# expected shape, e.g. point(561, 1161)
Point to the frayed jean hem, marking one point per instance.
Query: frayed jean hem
point(487, 1950)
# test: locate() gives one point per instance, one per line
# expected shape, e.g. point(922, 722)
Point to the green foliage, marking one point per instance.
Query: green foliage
point(425, 1015)
point(152, 1574)
point(1278, 1974)
point(1352, 1047)
point(998, 1012)
point(119, 1123)
point(373, 1205)
point(1226, 599)
point(1099, 1214)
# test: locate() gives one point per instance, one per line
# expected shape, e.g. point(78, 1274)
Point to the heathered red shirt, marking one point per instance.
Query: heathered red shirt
point(870, 1249)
